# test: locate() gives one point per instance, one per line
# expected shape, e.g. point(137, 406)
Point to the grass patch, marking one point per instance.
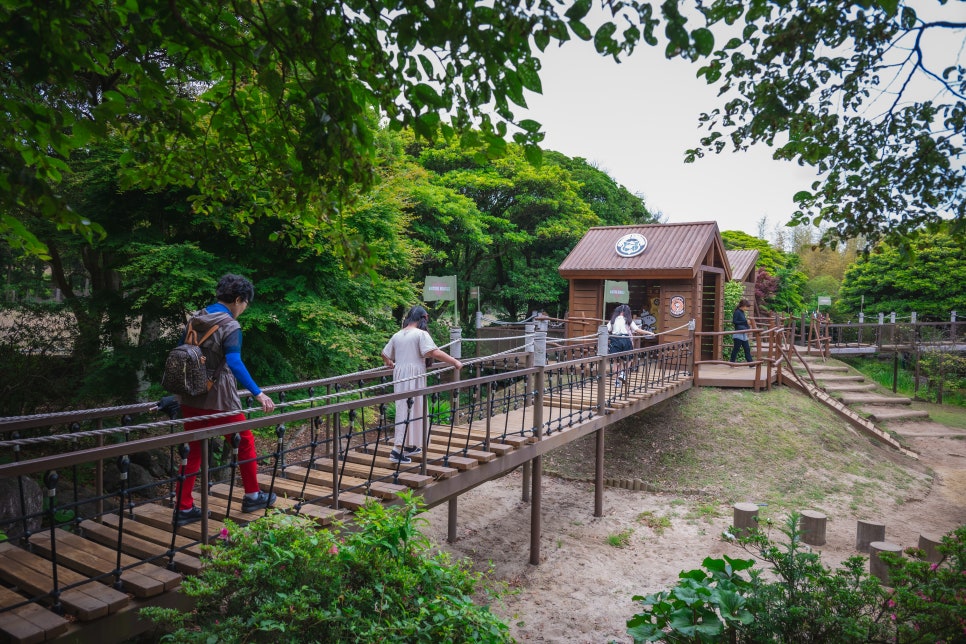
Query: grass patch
point(703, 512)
point(777, 447)
point(620, 539)
point(656, 523)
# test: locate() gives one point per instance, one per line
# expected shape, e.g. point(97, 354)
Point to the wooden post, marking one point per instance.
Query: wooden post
point(866, 532)
point(877, 567)
point(813, 527)
point(451, 520)
point(536, 525)
point(746, 519)
point(526, 482)
point(929, 545)
point(599, 474)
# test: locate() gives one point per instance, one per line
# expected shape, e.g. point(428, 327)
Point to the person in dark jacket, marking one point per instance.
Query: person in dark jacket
point(740, 320)
point(223, 351)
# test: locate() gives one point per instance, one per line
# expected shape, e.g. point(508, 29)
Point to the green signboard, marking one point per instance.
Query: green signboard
point(615, 292)
point(439, 288)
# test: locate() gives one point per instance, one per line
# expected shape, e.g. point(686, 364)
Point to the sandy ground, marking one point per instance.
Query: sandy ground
point(582, 590)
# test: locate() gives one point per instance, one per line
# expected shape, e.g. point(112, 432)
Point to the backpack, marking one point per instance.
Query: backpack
point(185, 369)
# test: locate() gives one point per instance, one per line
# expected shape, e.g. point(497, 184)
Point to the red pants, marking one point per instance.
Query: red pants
point(246, 452)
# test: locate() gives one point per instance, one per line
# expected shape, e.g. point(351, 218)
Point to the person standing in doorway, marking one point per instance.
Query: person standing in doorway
point(740, 339)
point(406, 354)
point(222, 352)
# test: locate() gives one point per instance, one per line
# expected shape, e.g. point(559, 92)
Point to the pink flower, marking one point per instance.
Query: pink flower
point(933, 566)
point(334, 550)
point(223, 535)
point(891, 603)
point(892, 617)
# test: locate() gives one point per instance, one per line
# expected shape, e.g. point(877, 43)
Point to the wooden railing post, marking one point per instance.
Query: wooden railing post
point(536, 525)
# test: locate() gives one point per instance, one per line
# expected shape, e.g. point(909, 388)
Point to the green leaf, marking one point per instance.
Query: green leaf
point(580, 29)
point(604, 41)
point(908, 18)
point(889, 6)
point(703, 41)
point(533, 154)
point(578, 10)
point(541, 39)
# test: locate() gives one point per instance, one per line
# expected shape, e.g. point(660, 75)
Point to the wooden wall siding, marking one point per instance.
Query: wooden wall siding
point(586, 301)
point(685, 290)
point(709, 315)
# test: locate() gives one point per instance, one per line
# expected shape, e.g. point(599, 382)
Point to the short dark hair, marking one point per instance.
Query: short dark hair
point(743, 303)
point(231, 287)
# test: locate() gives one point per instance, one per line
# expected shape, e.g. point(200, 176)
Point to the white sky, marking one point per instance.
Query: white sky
point(635, 120)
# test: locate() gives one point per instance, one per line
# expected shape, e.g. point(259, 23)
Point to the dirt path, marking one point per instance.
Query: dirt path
point(582, 590)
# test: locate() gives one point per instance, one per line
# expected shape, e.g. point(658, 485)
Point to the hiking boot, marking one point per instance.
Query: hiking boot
point(184, 517)
point(396, 457)
point(412, 450)
point(260, 502)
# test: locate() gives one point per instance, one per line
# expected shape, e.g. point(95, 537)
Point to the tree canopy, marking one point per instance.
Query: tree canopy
point(932, 285)
point(869, 92)
point(270, 110)
point(264, 109)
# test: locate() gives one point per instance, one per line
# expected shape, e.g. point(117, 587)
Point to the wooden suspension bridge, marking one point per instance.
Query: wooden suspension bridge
point(92, 530)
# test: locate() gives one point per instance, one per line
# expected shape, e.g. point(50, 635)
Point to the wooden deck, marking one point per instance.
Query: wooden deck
point(738, 375)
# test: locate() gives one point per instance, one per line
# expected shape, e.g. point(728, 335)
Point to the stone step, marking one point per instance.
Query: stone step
point(835, 379)
point(873, 399)
point(849, 387)
point(828, 368)
point(885, 414)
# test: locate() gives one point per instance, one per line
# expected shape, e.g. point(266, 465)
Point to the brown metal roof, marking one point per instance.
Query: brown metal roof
point(673, 251)
point(742, 264)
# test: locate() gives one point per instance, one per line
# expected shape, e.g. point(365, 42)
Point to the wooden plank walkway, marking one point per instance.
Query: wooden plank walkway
point(153, 560)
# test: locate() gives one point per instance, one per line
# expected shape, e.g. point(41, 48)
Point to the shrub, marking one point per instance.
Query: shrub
point(282, 578)
point(808, 602)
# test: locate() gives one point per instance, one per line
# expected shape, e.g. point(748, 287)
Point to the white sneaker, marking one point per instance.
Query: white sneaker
point(396, 457)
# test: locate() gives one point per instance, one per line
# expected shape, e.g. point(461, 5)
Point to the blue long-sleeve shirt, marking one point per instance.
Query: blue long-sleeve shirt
point(232, 349)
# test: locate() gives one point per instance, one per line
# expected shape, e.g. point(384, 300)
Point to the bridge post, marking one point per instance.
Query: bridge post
point(952, 327)
point(451, 519)
point(456, 342)
point(602, 351)
point(528, 331)
point(536, 521)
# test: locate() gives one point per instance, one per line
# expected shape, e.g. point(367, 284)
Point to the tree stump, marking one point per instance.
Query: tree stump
point(866, 532)
point(877, 567)
point(930, 547)
point(813, 527)
point(746, 519)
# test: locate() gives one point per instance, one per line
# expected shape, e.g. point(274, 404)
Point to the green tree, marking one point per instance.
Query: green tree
point(769, 257)
point(531, 217)
point(868, 92)
point(611, 202)
point(272, 108)
point(260, 108)
point(780, 281)
point(931, 284)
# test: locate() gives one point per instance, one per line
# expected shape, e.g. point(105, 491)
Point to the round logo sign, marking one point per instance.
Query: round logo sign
point(631, 245)
point(677, 306)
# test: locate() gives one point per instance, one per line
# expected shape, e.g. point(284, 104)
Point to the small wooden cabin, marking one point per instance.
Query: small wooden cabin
point(672, 272)
point(744, 267)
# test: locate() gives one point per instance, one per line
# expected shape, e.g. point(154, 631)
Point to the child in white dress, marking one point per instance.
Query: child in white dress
point(406, 354)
